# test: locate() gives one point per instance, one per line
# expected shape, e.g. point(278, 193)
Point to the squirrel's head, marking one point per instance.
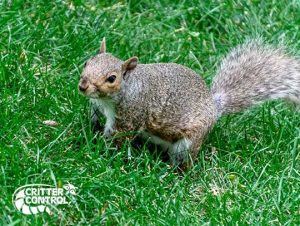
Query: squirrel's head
point(103, 74)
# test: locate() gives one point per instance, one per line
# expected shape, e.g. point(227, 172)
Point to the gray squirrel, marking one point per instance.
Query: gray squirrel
point(170, 104)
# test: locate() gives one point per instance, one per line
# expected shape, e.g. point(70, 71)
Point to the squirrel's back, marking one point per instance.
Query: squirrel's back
point(252, 73)
point(169, 93)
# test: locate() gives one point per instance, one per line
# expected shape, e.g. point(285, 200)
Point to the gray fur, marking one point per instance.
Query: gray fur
point(253, 73)
point(171, 105)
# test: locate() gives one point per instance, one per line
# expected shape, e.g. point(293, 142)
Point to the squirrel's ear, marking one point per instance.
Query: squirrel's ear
point(130, 64)
point(103, 46)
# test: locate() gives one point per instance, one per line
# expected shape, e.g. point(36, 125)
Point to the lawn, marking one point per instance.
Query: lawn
point(248, 169)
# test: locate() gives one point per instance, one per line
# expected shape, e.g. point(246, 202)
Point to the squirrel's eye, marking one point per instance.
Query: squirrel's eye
point(111, 79)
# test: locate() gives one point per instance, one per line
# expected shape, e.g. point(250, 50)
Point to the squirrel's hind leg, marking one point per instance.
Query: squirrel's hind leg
point(184, 152)
point(179, 151)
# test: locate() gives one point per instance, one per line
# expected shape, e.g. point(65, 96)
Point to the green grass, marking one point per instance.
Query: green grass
point(248, 170)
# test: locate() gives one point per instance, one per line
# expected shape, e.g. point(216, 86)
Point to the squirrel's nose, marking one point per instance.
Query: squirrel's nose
point(83, 85)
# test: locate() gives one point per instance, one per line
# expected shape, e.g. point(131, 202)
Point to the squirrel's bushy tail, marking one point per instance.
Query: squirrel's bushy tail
point(252, 73)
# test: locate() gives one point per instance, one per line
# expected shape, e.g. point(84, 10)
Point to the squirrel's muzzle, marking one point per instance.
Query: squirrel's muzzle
point(83, 85)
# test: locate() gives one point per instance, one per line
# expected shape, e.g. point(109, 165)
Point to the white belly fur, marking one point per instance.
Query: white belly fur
point(177, 150)
point(156, 140)
point(107, 108)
